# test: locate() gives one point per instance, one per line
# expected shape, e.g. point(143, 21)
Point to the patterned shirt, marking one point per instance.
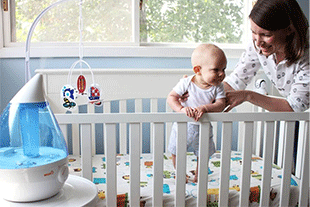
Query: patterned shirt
point(292, 81)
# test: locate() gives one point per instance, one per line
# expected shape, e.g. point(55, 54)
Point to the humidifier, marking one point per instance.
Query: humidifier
point(33, 152)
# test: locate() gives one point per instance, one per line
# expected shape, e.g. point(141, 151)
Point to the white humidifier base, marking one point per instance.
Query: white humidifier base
point(77, 191)
point(33, 184)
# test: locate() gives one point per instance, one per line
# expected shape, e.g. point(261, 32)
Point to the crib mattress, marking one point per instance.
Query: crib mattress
point(99, 178)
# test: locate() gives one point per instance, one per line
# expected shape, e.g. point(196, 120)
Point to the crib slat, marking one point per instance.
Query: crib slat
point(110, 153)
point(75, 138)
point(181, 164)
point(304, 186)
point(225, 163)
point(154, 109)
point(138, 105)
point(138, 109)
point(281, 144)
point(107, 107)
point(158, 146)
point(203, 164)
point(122, 129)
point(134, 139)
point(86, 150)
point(240, 135)
point(267, 166)
point(91, 110)
point(168, 108)
point(93, 129)
point(168, 128)
point(259, 138)
point(154, 105)
point(287, 168)
point(167, 134)
point(215, 138)
point(258, 133)
point(246, 164)
point(275, 143)
point(300, 149)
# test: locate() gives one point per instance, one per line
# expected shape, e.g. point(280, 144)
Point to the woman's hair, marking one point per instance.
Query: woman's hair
point(273, 15)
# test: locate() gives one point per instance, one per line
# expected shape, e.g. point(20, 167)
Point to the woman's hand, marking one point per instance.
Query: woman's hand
point(184, 97)
point(235, 98)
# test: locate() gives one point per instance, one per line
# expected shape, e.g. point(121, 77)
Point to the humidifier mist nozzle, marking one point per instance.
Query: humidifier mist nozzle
point(31, 92)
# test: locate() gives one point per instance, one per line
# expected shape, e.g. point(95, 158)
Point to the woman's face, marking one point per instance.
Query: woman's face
point(268, 42)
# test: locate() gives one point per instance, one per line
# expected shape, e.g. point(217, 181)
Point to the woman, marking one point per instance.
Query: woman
point(280, 47)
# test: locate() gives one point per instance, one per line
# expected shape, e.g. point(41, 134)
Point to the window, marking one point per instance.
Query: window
point(192, 21)
point(102, 21)
point(156, 24)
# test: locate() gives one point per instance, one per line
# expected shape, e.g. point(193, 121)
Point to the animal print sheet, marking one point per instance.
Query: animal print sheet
point(146, 181)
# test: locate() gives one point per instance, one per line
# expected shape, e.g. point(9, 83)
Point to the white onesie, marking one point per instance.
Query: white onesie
point(197, 97)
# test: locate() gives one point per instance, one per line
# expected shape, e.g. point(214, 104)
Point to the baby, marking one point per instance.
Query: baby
point(206, 94)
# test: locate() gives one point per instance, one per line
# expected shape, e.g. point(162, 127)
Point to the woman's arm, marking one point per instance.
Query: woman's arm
point(227, 87)
point(234, 98)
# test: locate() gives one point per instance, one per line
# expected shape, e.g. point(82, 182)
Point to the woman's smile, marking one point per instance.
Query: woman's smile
point(265, 48)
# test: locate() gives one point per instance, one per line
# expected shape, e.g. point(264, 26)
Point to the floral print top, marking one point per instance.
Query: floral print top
point(292, 81)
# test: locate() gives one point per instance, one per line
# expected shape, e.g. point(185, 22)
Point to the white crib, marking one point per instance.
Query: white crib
point(261, 133)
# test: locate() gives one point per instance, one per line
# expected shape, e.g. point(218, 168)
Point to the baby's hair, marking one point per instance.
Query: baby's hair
point(202, 50)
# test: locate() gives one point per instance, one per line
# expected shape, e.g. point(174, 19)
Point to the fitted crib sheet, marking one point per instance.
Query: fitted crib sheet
point(146, 181)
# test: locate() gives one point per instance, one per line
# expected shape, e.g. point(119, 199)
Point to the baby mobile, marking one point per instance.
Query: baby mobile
point(69, 93)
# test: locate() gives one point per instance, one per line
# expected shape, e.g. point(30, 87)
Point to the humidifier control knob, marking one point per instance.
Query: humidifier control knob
point(63, 173)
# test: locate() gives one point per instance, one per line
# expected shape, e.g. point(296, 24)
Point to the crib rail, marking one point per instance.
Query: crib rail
point(159, 119)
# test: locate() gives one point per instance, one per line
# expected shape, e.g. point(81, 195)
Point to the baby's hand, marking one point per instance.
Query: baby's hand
point(189, 111)
point(199, 111)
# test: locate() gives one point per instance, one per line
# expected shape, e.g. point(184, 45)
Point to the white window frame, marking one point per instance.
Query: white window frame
point(134, 49)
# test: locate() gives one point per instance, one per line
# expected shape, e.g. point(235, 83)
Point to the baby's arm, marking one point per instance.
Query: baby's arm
point(173, 101)
point(217, 106)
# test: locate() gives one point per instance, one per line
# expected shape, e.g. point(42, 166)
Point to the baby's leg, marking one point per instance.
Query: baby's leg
point(174, 164)
point(196, 172)
point(173, 160)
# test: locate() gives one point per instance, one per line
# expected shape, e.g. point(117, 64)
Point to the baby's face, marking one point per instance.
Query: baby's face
point(213, 72)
